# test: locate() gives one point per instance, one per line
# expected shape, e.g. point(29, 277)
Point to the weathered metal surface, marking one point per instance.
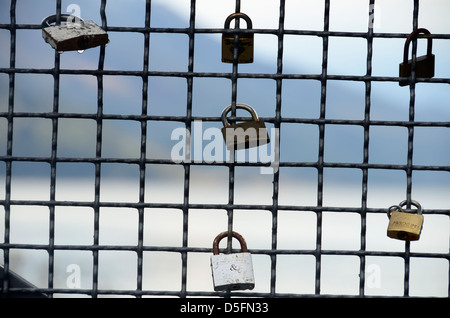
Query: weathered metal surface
point(232, 271)
point(75, 36)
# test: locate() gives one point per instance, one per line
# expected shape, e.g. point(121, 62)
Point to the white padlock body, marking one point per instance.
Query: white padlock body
point(232, 271)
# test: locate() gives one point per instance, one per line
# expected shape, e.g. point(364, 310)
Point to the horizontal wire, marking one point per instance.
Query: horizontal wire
point(224, 163)
point(183, 119)
point(183, 294)
point(209, 206)
point(173, 249)
point(287, 76)
point(275, 32)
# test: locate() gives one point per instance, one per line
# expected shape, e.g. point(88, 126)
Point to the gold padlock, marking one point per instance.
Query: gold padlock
point(403, 225)
point(244, 135)
point(424, 64)
point(244, 45)
point(77, 35)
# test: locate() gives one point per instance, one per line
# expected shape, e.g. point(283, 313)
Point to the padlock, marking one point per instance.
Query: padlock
point(244, 45)
point(424, 64)
point(77, 35)
point(404, 225)
point(232, 271)
point(244, 135)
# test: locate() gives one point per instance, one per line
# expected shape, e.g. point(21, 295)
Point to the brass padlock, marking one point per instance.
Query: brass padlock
point(232, 271)
point(75, 35)
point(424, 64)
point(244, 135)
point(404, 225)
point(244, 45)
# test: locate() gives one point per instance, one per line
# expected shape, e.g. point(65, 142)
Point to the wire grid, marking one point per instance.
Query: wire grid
point(143, 119)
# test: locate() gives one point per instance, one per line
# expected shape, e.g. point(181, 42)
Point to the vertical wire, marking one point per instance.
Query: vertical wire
point(365, 172)
point(187, 166)
point(98, 155)
point(9, 145)
point(409, 165)
point(54, 146)
point(232, 167)
point(320, 161)
point(276, 140)
point(143, 150)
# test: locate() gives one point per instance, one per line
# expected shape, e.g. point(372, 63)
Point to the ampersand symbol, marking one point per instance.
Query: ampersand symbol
point(233, 267)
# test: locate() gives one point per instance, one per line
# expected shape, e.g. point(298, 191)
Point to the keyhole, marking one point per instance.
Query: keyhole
point(402, 235)
point(240, 50)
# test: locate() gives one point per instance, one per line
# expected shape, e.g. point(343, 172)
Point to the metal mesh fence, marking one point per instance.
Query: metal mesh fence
point(277, 257)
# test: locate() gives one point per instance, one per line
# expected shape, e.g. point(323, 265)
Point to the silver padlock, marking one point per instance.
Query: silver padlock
point(75, 35)
point(244, 135)
point(232, 271)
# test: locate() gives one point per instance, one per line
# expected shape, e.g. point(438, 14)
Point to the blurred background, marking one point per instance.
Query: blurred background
point(297, 230)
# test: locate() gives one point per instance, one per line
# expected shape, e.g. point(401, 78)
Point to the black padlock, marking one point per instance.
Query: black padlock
point(424, 64)
point(244, 45)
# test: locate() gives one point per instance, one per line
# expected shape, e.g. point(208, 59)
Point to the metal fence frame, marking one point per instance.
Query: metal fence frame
point(190, 75)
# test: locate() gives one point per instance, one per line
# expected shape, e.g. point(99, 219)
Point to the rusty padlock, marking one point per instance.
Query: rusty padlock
point(404, 225)
point(424, 64)
point(245, 41)
point(232, 271)
point(244, 135)
point(75, 35)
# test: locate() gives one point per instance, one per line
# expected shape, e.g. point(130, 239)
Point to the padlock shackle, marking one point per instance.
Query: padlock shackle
point(238, 15)
point(241, 106)
point(52, 19)
point(415, 35)
point(393, 208)
point(236, 235)
point(415, 203)
point(403, 203)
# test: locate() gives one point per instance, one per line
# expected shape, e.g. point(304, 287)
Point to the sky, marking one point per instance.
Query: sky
point(209, 183)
